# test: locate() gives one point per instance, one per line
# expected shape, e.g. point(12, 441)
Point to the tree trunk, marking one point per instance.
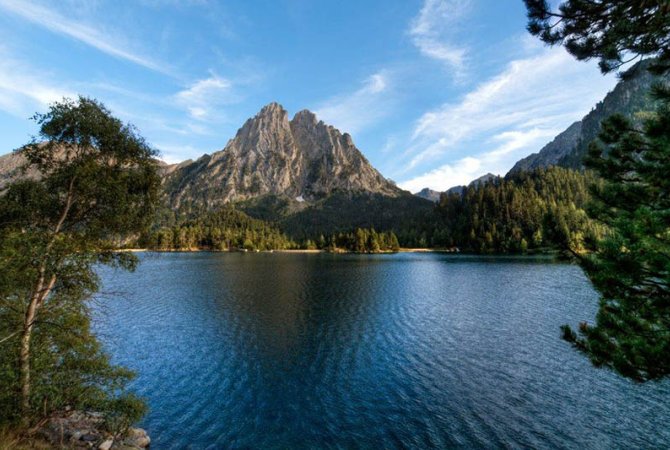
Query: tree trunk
point(36, 300)
point(40, 293)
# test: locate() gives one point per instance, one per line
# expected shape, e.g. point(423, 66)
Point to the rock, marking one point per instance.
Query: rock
point(83, 429)
point(137, 437)
point(106, 445)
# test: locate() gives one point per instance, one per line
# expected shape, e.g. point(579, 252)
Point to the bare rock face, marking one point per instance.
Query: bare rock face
point(11, 169)
point(303, 159)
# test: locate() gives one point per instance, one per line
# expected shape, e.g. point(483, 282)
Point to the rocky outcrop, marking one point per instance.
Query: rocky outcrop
point(302, 159)
point(551, 153)
point(429, 194)
point(86, 430)
point(11, 169)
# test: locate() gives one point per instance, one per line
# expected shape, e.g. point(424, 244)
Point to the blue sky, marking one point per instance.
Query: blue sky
point(434, 92)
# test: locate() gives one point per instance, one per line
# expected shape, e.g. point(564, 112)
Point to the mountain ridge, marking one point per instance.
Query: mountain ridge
point(629, 97)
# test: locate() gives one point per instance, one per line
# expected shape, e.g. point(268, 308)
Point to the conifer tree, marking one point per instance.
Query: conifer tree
point(630, 266)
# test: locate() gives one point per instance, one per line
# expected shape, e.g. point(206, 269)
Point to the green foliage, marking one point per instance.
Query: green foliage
point(408, 216)
point(534, 210)
point(98, 182)
point(631, 265)
point(362, 240)
point(225, 229)
point(610, 30)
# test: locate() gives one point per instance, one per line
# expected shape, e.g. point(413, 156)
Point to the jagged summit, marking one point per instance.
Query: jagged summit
point(270, 155)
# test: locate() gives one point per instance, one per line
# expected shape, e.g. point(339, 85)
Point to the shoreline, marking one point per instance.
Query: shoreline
point(305, 251)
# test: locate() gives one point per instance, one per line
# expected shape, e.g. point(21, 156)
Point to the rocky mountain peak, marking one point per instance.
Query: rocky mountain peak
point(303, 158)
point(305, 117)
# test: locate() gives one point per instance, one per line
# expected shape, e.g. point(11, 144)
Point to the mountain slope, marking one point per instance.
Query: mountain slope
point(302, 159)
point(629, 96)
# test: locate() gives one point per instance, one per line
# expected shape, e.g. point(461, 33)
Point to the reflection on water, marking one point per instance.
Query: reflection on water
point(383, 351)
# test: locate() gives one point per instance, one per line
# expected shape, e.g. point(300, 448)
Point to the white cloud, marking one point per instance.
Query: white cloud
point(353, 112)
point(503, 119)
point(87, 34)
point(433, 31)
point(461, 172)
point(467, 169)
point(22, 91)
point(203, 98)
point(550, 89)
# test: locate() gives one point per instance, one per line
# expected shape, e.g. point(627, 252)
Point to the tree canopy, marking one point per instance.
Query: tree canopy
point(614, 31)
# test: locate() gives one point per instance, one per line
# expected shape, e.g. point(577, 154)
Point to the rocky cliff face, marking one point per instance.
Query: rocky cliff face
point(303, 159)
point(629, 96)
point(551, 153)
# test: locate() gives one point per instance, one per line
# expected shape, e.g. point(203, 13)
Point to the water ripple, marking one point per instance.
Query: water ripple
point(384, 351)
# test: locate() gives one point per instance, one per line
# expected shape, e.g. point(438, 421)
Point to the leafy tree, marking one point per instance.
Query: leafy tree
point(97, 184)
point(631, 265)
point(614, 31)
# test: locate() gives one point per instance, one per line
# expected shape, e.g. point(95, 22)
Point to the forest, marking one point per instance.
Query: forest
point(538, 210)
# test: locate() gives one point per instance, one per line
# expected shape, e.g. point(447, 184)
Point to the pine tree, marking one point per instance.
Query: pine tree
point(631, 266)
point(614, 31)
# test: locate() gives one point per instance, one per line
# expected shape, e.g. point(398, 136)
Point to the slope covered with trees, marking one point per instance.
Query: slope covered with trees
point(224, 229)
point(541, 209)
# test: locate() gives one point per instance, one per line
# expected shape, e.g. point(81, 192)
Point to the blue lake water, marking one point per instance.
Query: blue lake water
point(381, 351)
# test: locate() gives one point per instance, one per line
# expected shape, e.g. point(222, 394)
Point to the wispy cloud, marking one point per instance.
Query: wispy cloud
point(448, 175)
point(87, 34)
point(506, 117)
point(433, 31)
point(204, 98)
point(23, 91)
point(355, 111)
point(464, 170)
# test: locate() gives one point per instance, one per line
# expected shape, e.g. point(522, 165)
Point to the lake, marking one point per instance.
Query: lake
point(368, 351)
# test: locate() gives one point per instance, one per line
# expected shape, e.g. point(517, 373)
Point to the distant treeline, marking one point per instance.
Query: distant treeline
point(541, 209)
point(225, 229)
point(230, 229)
point(361, 240)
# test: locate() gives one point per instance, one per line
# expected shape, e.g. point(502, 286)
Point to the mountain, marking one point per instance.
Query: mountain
point(434, 196)
point(429, 194)
point(629, 96)
point(483, 180)
point(303, 160)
